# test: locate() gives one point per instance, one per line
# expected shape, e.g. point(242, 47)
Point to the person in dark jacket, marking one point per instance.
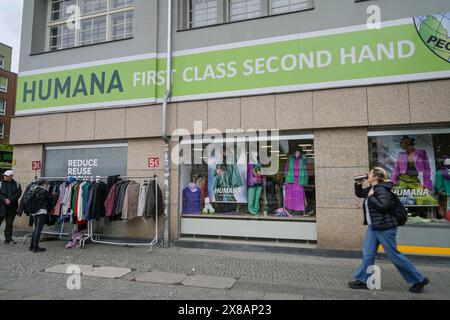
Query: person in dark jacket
point(10, 192)
point(39, 217)
point(379, 206)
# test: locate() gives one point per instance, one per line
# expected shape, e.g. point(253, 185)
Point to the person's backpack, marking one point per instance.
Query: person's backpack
point(31, 200)
point(399, 211)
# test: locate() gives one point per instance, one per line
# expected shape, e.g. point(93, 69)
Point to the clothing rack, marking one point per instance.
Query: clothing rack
point(90, 230)
point(92, 236)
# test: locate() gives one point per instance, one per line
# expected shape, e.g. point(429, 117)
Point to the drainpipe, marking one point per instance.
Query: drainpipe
point(164, 126)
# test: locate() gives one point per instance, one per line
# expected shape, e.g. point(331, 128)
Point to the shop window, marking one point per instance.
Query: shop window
point(2, 130)
point(418, 164)
point(249, 179)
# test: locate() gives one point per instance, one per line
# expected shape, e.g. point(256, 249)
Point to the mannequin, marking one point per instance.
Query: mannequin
point(296, 179)
point(191, 199)
point(443, 188)
point(254, 184)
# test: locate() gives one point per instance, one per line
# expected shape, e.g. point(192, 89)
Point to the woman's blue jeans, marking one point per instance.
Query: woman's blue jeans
point(387, 238)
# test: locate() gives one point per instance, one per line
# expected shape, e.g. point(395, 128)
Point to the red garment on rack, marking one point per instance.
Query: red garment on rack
point(110, 201)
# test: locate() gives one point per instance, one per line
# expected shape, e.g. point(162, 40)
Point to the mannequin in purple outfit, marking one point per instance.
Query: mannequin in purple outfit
point(296, 179)
point(191, 199)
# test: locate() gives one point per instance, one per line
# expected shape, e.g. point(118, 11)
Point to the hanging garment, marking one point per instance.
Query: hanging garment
point(153, 202)
point(66, 204)
point(296, 179)
point(99, 194)
point(110, 201)
point(80, 201)
point(86, 198)
point(142, 200)
point(130, 204)
point(191, 199)
point(74, 202)
point(112, 180)
point(59, 204)
point(120, 199)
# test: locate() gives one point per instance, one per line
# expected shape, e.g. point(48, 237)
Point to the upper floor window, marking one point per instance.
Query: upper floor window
point(3, 84)
point(244, 9)
point(2, 107)
point(2, 62)
point(99, 21)
point(282, 6)
point(202, 13)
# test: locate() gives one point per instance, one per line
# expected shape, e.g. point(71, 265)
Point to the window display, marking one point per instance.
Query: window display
point(235, 182)
point(418, 166)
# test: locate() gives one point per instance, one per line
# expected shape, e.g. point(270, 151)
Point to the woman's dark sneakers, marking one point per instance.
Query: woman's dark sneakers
point(37, 250)
point(418, 287)
point(357, 285)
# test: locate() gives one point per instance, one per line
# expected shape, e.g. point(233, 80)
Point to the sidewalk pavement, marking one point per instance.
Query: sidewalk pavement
point(246, 275)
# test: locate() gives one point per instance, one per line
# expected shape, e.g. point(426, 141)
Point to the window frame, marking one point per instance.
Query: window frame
point(4, 89)
point(264, 12)
point(300, 10)
point(223, 15)
point(109, 12)
point(3, 112)
point(2, 131)
point(2, 62)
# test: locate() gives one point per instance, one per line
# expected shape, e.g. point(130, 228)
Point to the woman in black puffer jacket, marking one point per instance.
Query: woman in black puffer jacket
point(379, 214)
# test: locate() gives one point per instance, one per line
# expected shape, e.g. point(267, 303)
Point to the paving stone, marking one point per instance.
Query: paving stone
point(162, 277)
point(62, 268)
point(107, 272)
point(209, 282)
point(3, 291)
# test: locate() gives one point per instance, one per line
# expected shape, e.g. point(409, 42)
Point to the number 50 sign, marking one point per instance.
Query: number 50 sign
point(153, 162)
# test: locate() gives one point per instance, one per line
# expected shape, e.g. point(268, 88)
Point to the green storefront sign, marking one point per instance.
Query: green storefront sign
point(6, 159)
point(402, 50)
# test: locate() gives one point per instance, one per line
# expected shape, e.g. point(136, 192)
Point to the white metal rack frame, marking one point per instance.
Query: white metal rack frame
point(90, 230)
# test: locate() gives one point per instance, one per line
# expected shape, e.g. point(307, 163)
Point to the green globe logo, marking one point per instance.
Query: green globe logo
point(434, 31)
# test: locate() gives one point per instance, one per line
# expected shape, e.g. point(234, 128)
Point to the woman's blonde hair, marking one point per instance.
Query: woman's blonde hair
point(380, 174)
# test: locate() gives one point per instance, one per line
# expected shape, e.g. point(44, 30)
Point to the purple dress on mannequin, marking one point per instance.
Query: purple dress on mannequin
point(294, 198)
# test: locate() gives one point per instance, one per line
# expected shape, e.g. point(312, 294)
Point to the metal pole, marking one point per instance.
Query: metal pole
point(164, 125)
